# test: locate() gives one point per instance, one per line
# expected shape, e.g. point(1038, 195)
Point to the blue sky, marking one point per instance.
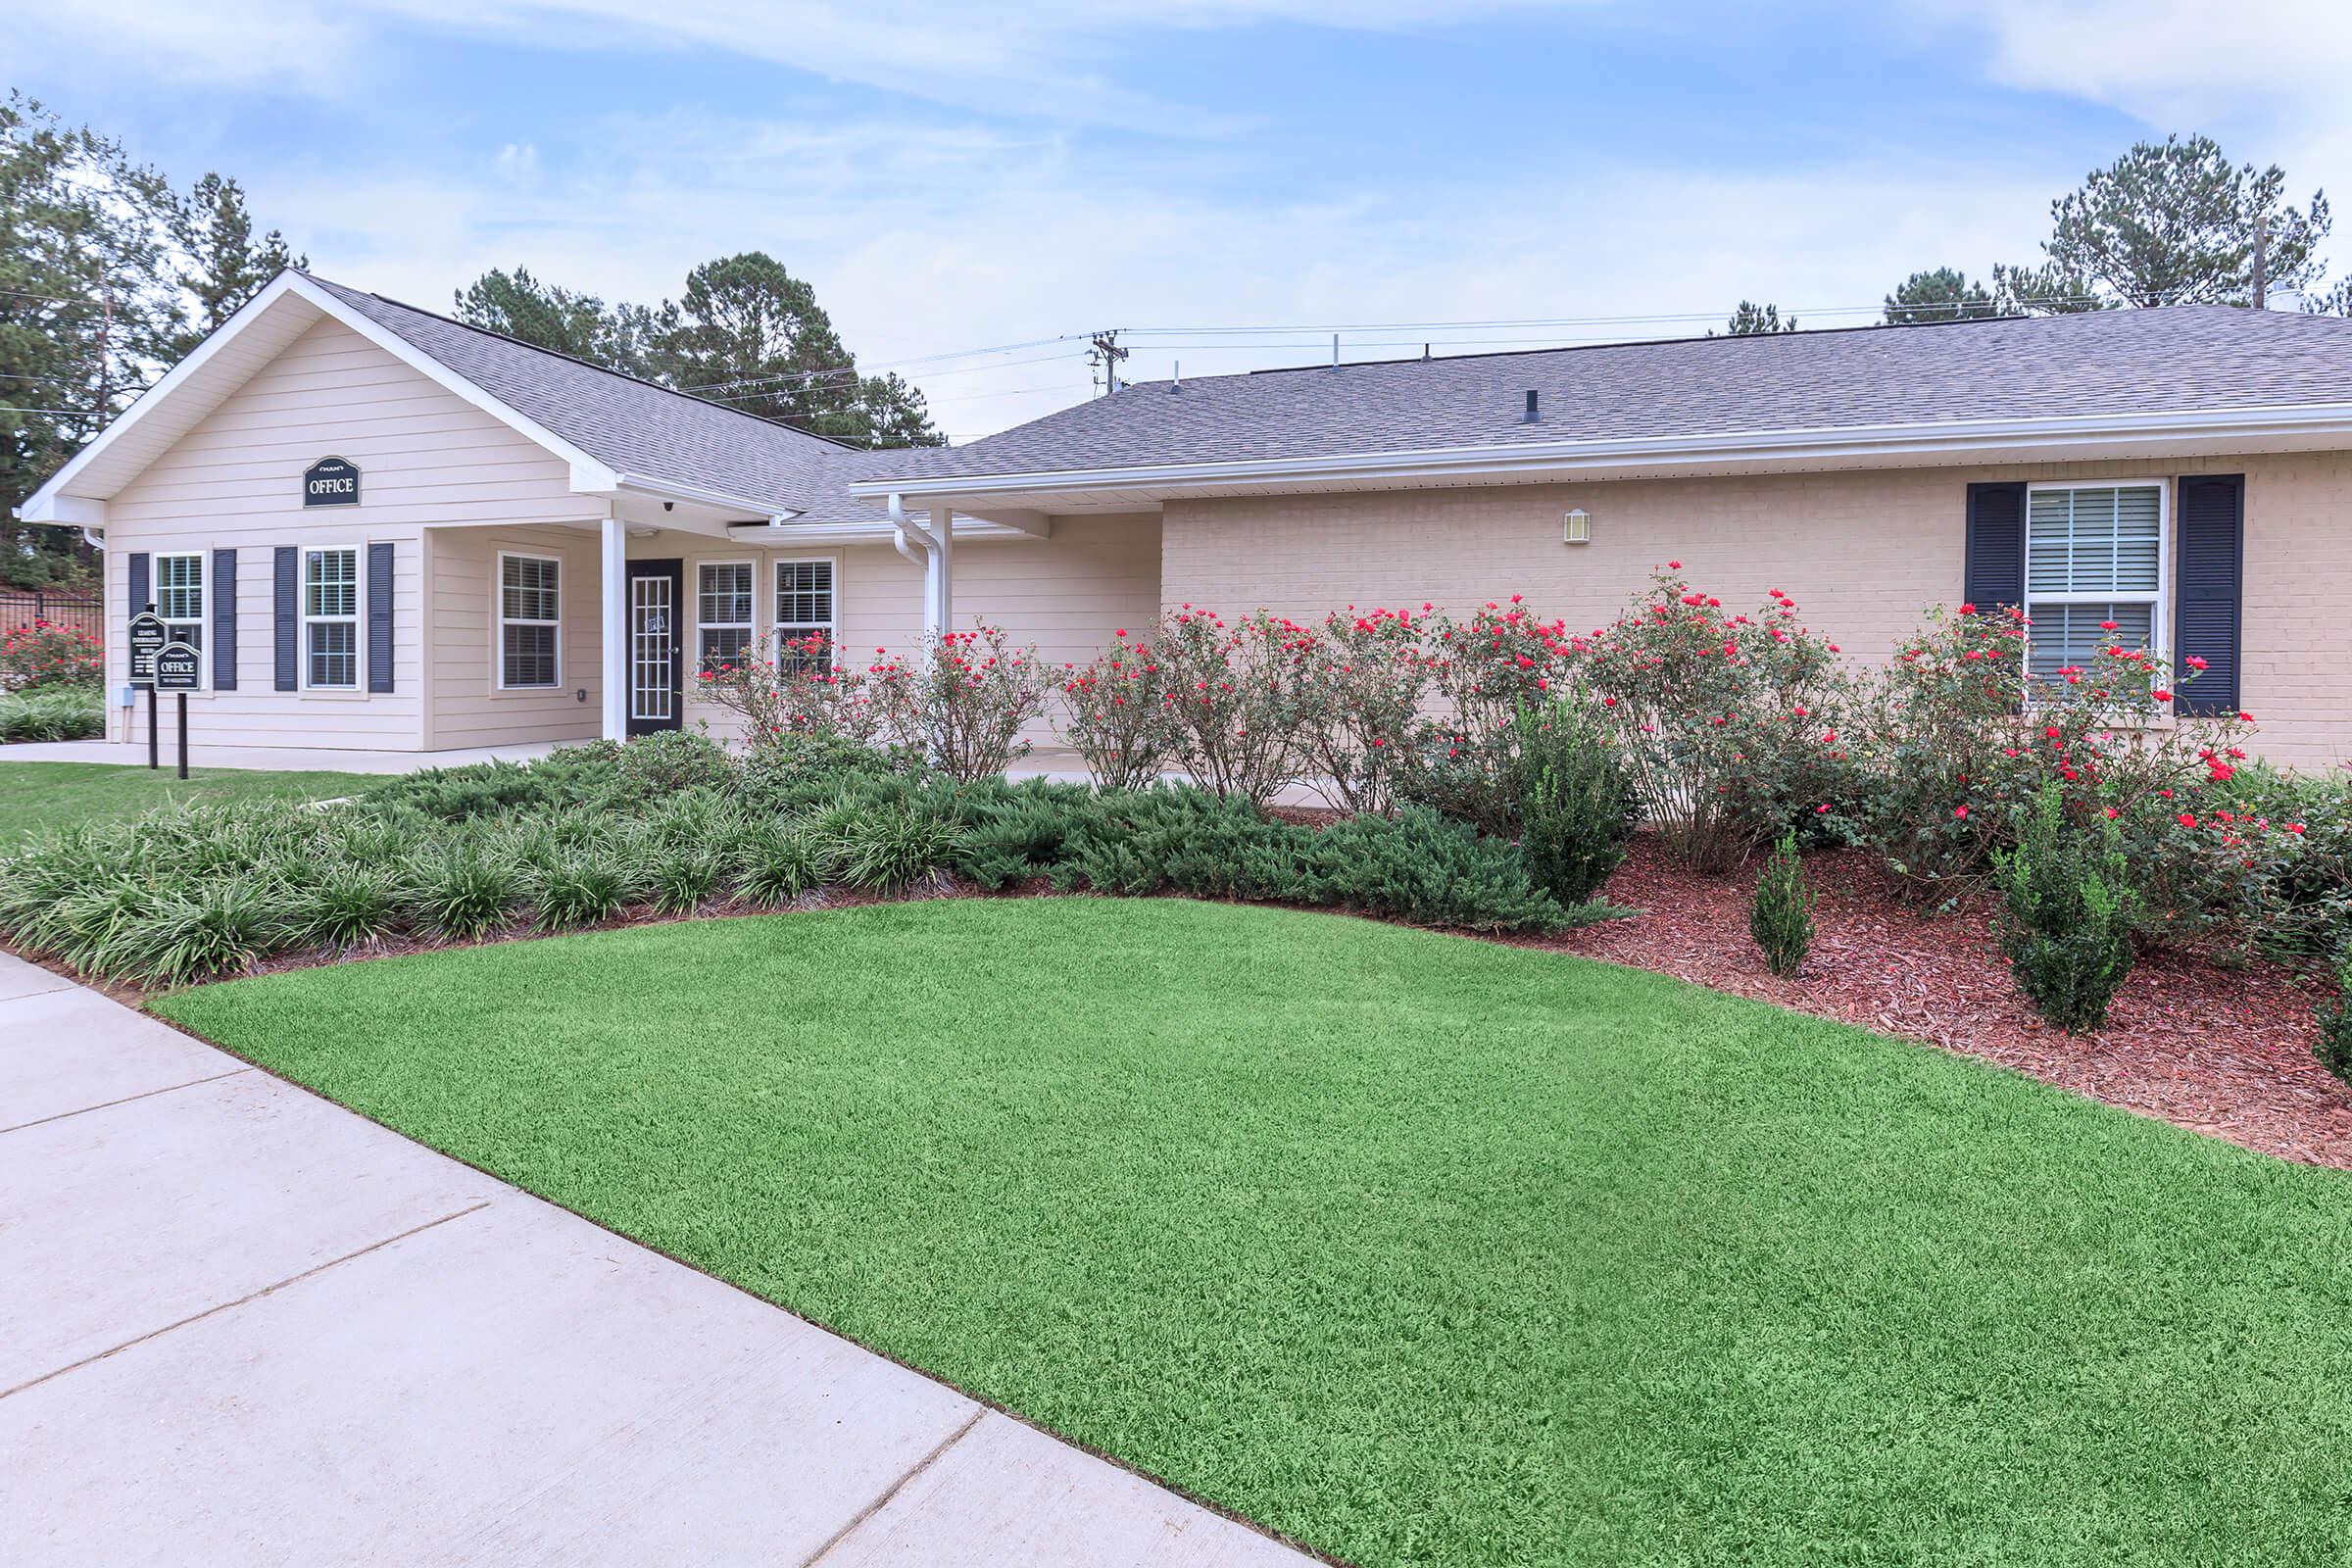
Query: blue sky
point(954, 179)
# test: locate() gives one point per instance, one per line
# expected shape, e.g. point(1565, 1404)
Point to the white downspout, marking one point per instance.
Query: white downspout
point(942, 523)
point(934, 563)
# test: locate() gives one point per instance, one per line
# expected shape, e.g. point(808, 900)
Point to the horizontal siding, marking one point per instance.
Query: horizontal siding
point(466, 707)
point(234, 482)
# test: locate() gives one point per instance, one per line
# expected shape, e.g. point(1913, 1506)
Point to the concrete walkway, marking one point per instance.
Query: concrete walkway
point(241, 1325)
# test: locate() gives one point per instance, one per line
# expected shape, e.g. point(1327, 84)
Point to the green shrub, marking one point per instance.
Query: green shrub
point(61, 713)
point(2066, 913)
point(793, 774)
point(1017, 833)
point(1424, 869)
point(669, 760)
point(223, 924)
point(1576, 808)
point(2334, 1048)
point(682, 879)
point(1781, 917)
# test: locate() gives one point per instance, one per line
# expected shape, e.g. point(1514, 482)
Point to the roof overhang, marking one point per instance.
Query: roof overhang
point(261, 328)
point(2072, 439)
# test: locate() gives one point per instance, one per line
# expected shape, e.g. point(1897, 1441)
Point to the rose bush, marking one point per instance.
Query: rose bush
point(965, 703)
point(1235, 699)
point(42, 654)
point(1361, 679)
point(1729, 722)
point(809, 692)
point(1116, 715)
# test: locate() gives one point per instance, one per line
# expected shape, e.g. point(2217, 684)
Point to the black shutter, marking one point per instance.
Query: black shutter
point(285, 583)
point(379, 618)
point(224, 620)
point(2209, 604)
point(1996, 546)
point(138, 581)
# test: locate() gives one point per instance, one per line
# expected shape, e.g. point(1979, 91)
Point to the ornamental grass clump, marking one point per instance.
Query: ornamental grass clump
point(965, 702)
point(465, 892)
point(1116, 715)
point(1780, 915)
point(349, 902)
point(1729, 722)
point(1575, 806)
point(2066, 913)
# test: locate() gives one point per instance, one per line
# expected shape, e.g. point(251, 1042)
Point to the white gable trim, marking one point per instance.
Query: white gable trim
point(61, 501)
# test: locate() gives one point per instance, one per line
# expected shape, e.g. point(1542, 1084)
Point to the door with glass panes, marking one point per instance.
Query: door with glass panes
point(656, 699)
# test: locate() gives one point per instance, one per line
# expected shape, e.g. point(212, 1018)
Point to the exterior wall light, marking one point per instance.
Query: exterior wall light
point(1576, 528)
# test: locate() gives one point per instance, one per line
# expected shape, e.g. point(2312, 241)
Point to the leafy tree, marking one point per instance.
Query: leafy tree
point(224, 265)
point(89, 310)
point(1942, 295)
point(618, 337)
point(2045, 290)
point(746, 332)
point(1751, 319)
point(2174, 223)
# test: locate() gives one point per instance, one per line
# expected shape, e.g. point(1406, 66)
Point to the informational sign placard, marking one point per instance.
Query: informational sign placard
point(177, 668)
point(330, 483)
point(147, 638)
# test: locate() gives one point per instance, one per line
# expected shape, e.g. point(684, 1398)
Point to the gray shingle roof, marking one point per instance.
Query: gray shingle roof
point(2113, 361)
point(636, 427)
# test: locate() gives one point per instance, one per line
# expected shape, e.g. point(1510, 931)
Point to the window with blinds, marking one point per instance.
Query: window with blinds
point(722, 613)
point(804, 611)
point(529, 618)
point(2094, 554)
point(330, 619)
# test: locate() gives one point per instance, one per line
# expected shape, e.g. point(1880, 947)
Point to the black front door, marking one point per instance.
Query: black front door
point(655, 662)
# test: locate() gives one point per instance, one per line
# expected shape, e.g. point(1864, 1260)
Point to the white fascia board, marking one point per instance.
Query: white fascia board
point(1780, 449)
point(42, 506)
point(589, 475)
point(679, 490)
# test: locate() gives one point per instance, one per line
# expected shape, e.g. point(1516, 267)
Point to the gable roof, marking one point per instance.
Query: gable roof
point(609, 426)
point(2052, 368)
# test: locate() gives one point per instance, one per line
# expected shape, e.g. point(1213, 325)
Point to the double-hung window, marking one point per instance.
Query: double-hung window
point(2095, 572)
point(722, 613)
point(529, 621)
point(179, 597)
point(330, 619)
point(804, 610)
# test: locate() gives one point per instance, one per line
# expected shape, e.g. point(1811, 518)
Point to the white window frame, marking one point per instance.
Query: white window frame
point(359, 600)
point(749, 625)
point(2160, 628)
point(202, 621)
point(501, 620)
point(777, 626)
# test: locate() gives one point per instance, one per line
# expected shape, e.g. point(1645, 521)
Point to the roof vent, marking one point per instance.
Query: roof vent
point(1529, 416)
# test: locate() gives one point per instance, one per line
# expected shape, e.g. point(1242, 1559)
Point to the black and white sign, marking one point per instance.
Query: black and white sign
point(177, 668)
point(330, 483)
point(147, 635)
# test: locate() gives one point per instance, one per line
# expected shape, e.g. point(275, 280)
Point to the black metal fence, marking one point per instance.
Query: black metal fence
point(85, 612)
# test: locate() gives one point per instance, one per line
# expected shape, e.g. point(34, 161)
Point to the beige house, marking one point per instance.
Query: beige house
point(384, 529)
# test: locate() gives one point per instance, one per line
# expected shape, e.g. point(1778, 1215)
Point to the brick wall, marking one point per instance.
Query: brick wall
point(1863, 553)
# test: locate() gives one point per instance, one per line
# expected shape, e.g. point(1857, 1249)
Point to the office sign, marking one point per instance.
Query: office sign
point(177, 668)
point(147, 638)
point(330, 483)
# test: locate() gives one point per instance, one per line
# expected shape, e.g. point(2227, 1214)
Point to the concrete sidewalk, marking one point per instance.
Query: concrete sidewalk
point(241, 1325)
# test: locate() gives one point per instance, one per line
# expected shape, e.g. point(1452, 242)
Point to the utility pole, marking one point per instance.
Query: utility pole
point(2262, 245)
point(1106, 354)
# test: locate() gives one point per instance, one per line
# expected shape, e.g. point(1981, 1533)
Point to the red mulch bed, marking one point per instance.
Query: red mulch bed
point(2220, 1051)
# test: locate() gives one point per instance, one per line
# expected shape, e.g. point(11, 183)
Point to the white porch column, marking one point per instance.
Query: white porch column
point(616, 623)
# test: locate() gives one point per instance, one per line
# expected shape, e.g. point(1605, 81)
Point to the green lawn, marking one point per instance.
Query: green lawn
point(1419, 1249)
point(39, 794)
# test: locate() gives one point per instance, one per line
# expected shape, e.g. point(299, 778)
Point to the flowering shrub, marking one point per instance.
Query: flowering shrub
point(42, 652)
point(1959, 744)
point(965, 703)
point(1481, 676)
point(1234, 694)
point(2334, 1047)
point(1116, 714)
point(1361, 683)
point(809, 693)
point(1573, 804)
point(1728, 721)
